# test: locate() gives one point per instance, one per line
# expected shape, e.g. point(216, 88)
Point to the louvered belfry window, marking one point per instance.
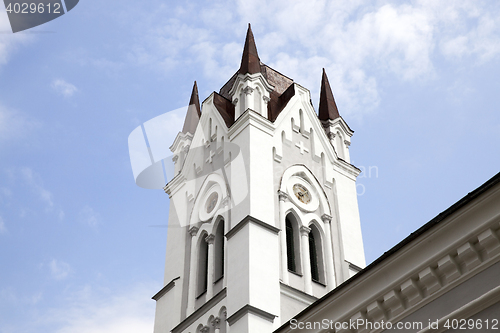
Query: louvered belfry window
point(313, 256)
point(290, 246)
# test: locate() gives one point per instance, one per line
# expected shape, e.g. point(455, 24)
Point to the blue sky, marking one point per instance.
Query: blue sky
point(417, 81)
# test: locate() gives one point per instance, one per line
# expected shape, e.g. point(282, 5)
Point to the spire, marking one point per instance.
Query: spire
point(327, 107)
point(250, 62)
point(193, 113)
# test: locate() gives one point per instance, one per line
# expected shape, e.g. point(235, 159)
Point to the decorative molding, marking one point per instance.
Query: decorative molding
point(225, 201)
point(251, 219)
point(210, 239)
point(437, 278)
point(211, 156)
point(216, 322)
point(193, 231)
point(200, 312)
point(468, 310)
point(175, 158)
point(347, 143)
point(304, 231)
point(283, 196)
point(326, 218)
point(251, 117)
point(297, 294)
point(266, 99)
point(354, 267)
point(301, 147)
point(247, 90)
point(253, 310)
point(165, 289)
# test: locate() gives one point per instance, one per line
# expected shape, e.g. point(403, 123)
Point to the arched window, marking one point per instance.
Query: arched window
point(340, 145)
point(313, 256)
point(316, 255)
point(290, 253)
point(219, 252)
point(202, 265)
point(257, 100)
point(292, 244)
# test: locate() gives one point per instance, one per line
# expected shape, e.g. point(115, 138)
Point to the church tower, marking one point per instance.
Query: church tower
point(263, 215)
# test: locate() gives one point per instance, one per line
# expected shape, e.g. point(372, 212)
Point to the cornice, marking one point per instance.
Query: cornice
point(165, 289)
point(253, 310)
point(192, 318)
point(174, 185)
point(179, 138)
point(251, 219)
point(338, 121)
point(250, 117)
point(250, 77)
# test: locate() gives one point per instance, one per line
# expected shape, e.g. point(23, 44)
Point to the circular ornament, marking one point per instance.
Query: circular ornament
point(302, 193)
point(211, 202)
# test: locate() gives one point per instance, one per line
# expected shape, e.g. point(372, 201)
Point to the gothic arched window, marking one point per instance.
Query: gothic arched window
point(316, 255)
point(219, 252)
point(292, 244)
point(202, 265)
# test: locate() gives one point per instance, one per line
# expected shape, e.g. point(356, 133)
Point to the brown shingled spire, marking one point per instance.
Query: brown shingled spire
point(327, 107)
point(250, 62)
point(193, 113)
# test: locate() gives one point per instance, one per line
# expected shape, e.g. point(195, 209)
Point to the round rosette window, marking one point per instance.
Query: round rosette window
point(209, 203)
point(302, 194)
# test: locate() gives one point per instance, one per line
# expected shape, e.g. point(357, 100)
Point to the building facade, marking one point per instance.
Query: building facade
point(263, 209)
point(264, 232)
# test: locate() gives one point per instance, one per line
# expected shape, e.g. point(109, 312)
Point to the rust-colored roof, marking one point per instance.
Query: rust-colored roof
point(278, 102)
point(195, 99)
point(225, 108)
point(250, 62)
point(283, 90)
point(193, 113)
point(327, 106)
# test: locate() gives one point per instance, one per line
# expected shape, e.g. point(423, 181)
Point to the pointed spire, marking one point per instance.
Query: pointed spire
point(250, 62)
point(193, 113)
point(327, 107)
point(195, 100)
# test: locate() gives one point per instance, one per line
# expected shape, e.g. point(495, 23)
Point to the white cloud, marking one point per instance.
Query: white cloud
point(3, 228)
point(14, 125)
point(131, 311)
point(89, 216)
point(9, 42)
point(359, 42)
point(35, 182)
point(64, 88)
point(59, 270)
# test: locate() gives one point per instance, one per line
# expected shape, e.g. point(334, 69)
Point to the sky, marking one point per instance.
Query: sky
point(80, 246)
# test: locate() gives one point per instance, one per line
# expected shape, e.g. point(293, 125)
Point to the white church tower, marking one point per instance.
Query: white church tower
point(263, 214)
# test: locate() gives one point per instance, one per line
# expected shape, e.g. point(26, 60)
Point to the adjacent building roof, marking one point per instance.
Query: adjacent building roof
point(428, 227)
